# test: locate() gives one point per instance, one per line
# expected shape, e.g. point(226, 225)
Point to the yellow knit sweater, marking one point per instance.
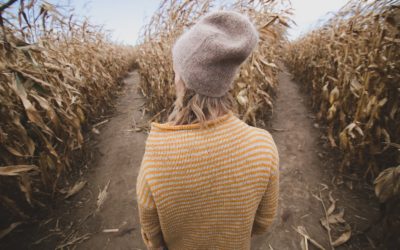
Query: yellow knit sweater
point(207, 188)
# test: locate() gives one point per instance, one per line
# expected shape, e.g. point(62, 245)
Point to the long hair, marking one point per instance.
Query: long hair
point(191, 107)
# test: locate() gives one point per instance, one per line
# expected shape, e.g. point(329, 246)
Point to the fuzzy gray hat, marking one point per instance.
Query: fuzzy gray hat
point(208, 55)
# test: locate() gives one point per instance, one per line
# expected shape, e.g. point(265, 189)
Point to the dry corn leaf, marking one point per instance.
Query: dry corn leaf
point(350, 66)
point(17, 169)
point(333, 219)
point(75, 189)
point(304, 243)
point(333, 204)
point(387, 184)
point(96, 131)
point(303, 232)
point(26, 188)
point(57, 79)
point(342, 239)
point(101, 198)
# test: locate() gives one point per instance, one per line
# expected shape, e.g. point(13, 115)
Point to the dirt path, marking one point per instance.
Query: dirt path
point(305, 164)
point(120, 150)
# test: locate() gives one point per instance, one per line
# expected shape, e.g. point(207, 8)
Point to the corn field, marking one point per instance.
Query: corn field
point(256, 83)
point(351, 65)
point(58, 75)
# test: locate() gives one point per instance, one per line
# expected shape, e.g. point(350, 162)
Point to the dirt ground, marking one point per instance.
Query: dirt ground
point(308, 171)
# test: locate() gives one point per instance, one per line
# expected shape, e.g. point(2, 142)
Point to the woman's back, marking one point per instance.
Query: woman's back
point(207, 188)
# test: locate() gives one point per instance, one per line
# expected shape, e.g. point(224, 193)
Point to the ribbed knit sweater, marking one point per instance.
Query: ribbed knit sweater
point(207, 187)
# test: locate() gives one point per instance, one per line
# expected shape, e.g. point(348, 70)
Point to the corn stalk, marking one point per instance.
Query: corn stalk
point(57, 76)
point(256, 83)
point(351, 65)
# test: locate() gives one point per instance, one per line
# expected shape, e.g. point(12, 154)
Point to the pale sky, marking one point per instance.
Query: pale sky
point(125, 17)
point(308, 12)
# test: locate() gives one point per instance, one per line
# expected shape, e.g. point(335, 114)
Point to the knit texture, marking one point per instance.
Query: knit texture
point(207, 188)
point(209, 54)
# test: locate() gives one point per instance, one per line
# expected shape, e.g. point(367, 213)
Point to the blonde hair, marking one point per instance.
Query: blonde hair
point(191, 107)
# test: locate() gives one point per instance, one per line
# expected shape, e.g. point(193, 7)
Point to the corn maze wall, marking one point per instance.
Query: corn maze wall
point(351, 65)
point(57, 76)
point(256, 84)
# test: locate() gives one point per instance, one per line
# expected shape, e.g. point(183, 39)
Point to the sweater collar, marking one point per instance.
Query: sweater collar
point(168, 126)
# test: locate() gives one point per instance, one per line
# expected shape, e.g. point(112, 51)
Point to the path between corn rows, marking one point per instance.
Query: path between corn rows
point(305, 164)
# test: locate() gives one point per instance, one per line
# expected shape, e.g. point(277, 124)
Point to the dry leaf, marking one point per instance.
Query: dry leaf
point(17, 169)
point(75, 189)
point(302, 231)
point(342, 239)
point(354, 99)
point(387, 184)
point(333, 219)
point(96, 131)
point(102, 197)
point(304, 243)
point(57, 76)
point(26, 188)
point(332, 206)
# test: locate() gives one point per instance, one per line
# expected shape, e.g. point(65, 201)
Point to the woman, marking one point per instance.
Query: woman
point(207, 179)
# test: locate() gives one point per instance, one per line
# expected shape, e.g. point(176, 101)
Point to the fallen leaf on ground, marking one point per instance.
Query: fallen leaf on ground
point(96, 131)
point(75, 189)
point(302, 231)
point(333, 204)
point(304, 243)
point(333, 219)
point(102, 197)
point(342, 239)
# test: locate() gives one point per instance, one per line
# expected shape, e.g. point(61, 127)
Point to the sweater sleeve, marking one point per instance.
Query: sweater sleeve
point(148, 215)
point(268, 206)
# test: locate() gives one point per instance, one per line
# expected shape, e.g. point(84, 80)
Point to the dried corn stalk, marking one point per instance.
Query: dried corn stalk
point(351, 65)
point(57, 75)
point(256, 84)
